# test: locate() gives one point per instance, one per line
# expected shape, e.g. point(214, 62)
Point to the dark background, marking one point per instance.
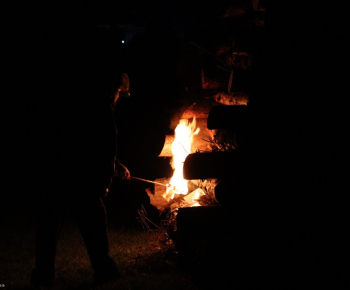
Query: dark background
point(44, 44)
point(299, 86)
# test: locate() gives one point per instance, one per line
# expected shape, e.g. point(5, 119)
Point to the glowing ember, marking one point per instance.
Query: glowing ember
point(180, 148)
point(192, 198)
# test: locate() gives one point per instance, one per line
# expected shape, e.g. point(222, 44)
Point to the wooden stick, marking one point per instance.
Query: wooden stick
point(150, 181)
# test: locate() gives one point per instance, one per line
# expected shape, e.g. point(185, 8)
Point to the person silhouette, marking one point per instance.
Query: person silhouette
point(78, 160)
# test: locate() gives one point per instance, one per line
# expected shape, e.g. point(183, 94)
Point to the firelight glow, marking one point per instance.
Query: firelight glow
point(180, 148)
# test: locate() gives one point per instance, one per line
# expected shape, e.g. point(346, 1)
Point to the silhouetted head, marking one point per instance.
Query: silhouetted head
point(119, 86)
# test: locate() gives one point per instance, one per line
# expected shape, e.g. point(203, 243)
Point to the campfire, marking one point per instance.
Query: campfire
point(179, 192)
point(203, 146)
point(180, 148)
point(210, 151)
point(191, 202)
point(171, 194)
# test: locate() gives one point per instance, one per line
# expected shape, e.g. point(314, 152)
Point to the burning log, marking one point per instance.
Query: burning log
point(193, 197)
point(199, 193)
point(166, 151)
point(200, 109)
point(158, 196)
point(201, 141)
point(232, 99)
point(212, 164)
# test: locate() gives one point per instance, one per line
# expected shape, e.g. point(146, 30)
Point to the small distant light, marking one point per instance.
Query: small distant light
point(123, 41)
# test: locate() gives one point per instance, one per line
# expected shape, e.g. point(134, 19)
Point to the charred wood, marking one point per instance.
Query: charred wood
point(213, 164)
point(239, 60)
point(231, 99)
point(224, 140)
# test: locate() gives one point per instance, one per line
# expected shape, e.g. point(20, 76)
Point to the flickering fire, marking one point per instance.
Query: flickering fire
point(181, 147)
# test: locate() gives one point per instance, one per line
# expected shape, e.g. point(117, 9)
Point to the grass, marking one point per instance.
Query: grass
point(243, 257)
point(146, 259)
point(149, 261)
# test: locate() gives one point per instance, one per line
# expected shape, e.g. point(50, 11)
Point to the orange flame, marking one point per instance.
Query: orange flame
point(181, 147)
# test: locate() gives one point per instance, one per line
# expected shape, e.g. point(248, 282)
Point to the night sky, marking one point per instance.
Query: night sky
point(298, 86)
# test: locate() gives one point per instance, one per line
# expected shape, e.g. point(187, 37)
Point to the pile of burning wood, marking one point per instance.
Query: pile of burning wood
point(199, 158)
point(205, 147)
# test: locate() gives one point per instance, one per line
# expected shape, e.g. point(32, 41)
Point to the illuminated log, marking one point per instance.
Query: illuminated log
point(166, 151)
point(212, 165)
point(158, 195)
point(232, 99)
point(201, 141)
point(200, 110)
